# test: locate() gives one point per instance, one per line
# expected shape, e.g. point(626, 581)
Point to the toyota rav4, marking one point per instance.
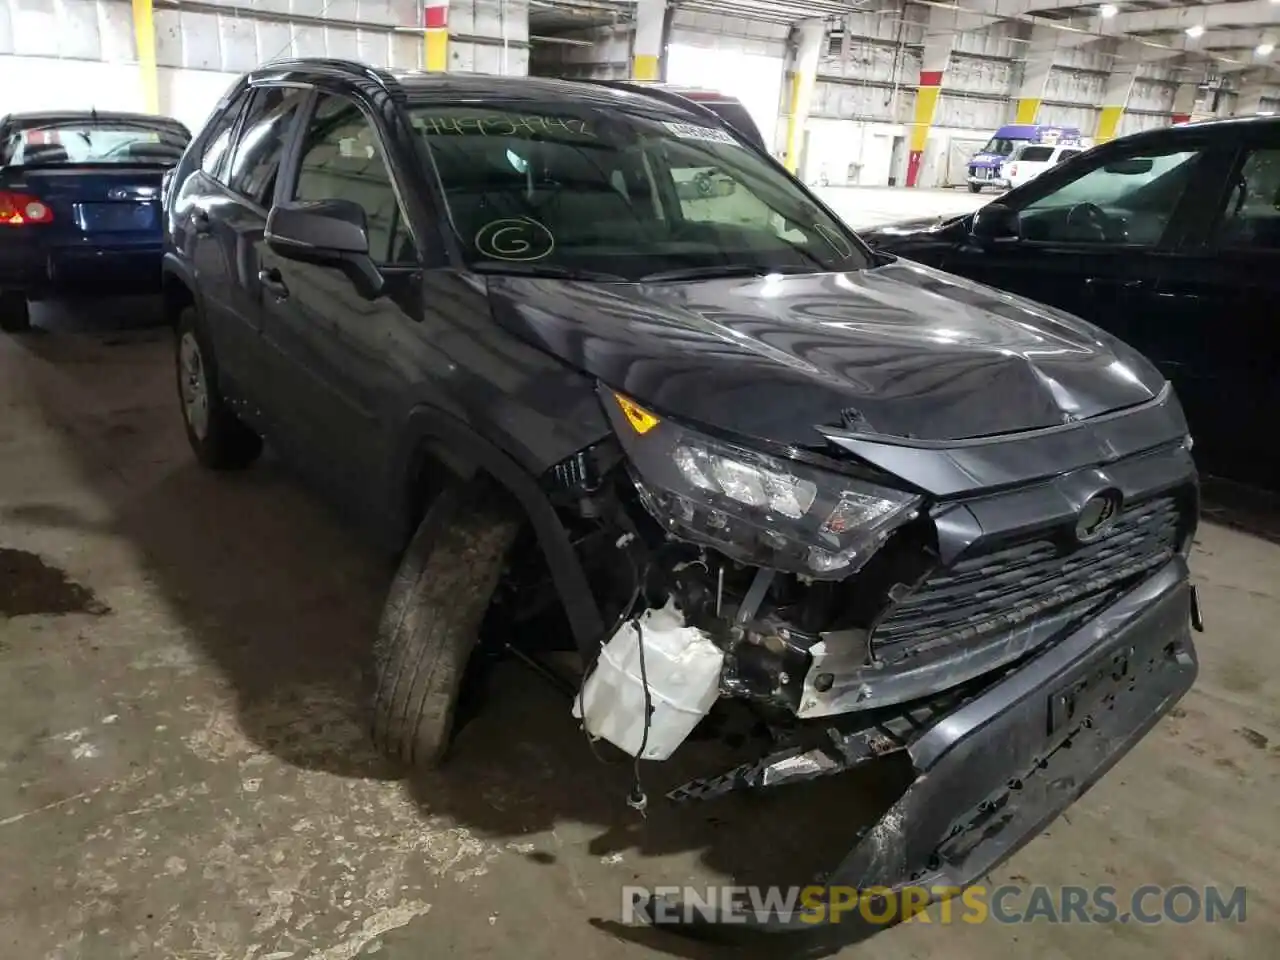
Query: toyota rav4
point(581, 352)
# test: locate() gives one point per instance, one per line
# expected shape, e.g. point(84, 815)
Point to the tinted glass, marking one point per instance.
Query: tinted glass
point(736, 115)
point(263, 136)
point(1035, 154)
point(218, 143)
point(105, 141)
point(342, 158)
point(1125, 201)
point(1002, 146)
point(605, 191)
point(1251, 216)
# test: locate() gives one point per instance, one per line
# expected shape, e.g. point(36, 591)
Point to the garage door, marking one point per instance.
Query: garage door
point(755, 79)
point(958, 159)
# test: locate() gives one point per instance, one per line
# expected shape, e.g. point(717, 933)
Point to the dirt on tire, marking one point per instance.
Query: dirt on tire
point(432, 618)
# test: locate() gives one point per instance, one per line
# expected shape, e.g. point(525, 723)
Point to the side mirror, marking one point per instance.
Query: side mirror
point(331, 233)
point(996, 222)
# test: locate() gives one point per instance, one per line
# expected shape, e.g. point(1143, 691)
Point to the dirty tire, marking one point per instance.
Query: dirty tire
point(221, 441)
point(432, 619)
point(15, 313)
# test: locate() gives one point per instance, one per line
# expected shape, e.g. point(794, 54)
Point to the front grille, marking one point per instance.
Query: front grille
point(994, 592)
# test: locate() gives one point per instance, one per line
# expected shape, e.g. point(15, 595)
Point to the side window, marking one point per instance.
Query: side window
point(263, 136)
point(218, 142)
point(1066, 155)
point(341, 158)
point(1250, 218)
point(1128, 200)
point(1034, 154)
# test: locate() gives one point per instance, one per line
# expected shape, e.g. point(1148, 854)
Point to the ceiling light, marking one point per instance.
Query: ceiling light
point(1264, 49)
point(1195, 31)
point(1110, 9)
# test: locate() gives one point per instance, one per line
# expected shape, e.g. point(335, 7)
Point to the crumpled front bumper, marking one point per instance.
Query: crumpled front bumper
point(992, 774)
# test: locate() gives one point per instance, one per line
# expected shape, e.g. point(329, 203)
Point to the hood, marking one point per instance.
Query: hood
point(900, 350)
point(885, 233)
point(986, 159)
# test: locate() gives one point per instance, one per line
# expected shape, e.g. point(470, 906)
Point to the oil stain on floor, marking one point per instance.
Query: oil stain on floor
point(28, 586)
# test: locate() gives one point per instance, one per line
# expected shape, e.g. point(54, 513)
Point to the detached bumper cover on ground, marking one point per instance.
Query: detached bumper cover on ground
point(993, 773)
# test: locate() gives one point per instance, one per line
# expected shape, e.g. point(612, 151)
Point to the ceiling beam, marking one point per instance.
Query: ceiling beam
point(1207, 15)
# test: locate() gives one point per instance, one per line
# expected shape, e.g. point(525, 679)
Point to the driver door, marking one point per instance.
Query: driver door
point(1098, 241)
point(332, 350)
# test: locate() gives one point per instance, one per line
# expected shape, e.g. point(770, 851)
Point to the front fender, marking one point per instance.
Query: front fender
point(434, 434)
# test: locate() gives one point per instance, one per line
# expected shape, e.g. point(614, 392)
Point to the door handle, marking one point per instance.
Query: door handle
point(273, 283)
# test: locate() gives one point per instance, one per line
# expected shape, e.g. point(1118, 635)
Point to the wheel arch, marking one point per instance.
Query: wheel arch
point(440, 448)
point(177, 289)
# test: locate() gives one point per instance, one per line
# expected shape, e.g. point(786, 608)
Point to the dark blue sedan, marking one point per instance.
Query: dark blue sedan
point(80, 205)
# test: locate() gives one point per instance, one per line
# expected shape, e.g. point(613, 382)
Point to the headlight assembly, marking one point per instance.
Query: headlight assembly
point(753, 507)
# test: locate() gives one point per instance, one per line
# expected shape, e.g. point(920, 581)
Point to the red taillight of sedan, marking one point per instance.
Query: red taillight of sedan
point(20, 209)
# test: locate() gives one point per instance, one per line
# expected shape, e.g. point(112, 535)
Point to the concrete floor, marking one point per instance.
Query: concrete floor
point(184, 772)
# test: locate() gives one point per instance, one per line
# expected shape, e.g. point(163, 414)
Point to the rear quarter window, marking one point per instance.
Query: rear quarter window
point(217, 138)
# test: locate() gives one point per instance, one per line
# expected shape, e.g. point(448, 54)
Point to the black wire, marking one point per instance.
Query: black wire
point(637, 790)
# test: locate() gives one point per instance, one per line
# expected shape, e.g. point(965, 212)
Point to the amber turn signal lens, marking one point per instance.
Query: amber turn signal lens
point(641, 420)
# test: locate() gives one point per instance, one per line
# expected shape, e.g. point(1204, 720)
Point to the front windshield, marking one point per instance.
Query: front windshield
point(619, 195)
point(1001, 146)
point(94, 141)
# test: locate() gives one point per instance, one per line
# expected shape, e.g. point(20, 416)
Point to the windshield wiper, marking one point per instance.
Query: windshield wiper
point(525, 268)
point(720, 270)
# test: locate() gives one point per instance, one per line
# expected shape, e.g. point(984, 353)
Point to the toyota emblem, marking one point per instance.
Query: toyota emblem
point(1097, 516)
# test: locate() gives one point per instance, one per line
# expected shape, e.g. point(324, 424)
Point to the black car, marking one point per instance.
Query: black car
point(80, 205)
point(729, 109)
point(600, 369)
point(1169, 239)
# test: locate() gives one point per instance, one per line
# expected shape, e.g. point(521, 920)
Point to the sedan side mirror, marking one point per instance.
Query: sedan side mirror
point(329, 233)
point(997, 223)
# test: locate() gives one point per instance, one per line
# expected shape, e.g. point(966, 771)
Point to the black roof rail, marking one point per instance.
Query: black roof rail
point(335, 66)
point(667, 96)
point(674, 99)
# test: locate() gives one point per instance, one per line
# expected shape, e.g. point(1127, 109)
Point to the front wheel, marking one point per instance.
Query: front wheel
point(15, 312)
point(432, 620)
point(218, 437)
point(975, 188)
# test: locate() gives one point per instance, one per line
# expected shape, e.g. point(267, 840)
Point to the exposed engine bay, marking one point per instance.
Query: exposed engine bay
point(838, 605)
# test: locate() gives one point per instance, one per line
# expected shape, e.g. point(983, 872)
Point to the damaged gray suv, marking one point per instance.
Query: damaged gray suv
point(588, 358)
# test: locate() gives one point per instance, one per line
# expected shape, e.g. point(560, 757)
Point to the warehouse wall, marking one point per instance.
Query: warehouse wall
point(597, 53)
point(75, 53)
point(81, 53)
point(865, 96)
point(744, 58)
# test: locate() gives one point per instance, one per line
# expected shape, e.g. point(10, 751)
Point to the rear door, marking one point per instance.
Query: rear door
point(200, 197)
point(1225, 307)
point(234, 220)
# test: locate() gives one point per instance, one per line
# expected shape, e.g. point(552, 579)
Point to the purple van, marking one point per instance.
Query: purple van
point(984, 166)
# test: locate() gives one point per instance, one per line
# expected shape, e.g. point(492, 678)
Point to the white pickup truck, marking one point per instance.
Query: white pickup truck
point(1033, 159)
